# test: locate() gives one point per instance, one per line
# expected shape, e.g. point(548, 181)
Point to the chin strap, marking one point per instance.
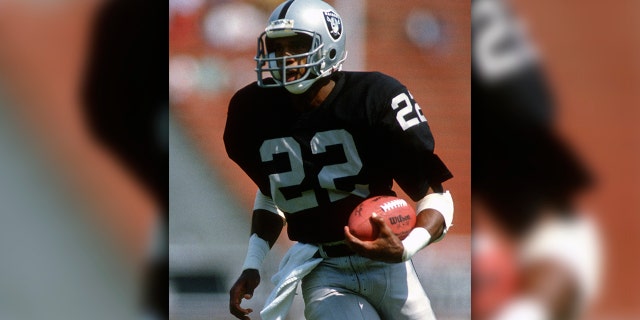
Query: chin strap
point(301, 87)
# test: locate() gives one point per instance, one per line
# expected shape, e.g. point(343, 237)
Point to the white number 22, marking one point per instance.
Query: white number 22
point(326, 177)
point(403, 102)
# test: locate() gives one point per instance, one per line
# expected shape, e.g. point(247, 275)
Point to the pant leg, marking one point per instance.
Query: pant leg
point(359, 288)
point(326, 303)
point(330, 292)
point(404, 297)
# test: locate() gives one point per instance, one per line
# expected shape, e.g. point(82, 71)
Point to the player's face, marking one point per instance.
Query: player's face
point(288, 47)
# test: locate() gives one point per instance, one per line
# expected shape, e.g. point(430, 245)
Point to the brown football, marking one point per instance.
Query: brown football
point(397, 213)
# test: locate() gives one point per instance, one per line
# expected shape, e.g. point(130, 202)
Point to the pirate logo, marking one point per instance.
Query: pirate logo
point(334, 24)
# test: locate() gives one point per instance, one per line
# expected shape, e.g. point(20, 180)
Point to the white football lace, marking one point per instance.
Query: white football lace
point(393, 205)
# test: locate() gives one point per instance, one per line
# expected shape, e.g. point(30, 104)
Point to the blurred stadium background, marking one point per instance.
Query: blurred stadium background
point(424, 44)
point(590, 51)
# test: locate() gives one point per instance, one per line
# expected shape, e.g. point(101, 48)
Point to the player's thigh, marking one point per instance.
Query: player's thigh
point(330, 303)
point(329, 293)
point(405, 298)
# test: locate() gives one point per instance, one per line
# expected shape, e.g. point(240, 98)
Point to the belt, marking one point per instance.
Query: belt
point(333, 251)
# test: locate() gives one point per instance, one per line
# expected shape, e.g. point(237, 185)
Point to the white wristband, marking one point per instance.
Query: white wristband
point(257, 251)
point(417, 239)
point(441, 202)
point(523, 309)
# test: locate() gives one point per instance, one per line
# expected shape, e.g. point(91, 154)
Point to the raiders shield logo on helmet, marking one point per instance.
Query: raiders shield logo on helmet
point(334, 24)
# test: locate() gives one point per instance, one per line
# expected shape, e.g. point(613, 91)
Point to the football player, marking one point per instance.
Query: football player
point(317, 141)
point(535, 256)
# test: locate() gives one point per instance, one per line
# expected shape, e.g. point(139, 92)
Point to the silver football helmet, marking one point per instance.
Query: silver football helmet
point(314, 19)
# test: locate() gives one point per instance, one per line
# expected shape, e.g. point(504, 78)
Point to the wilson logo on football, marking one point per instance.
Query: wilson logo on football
point(398, 219)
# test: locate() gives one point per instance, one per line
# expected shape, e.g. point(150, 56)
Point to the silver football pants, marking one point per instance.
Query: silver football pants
point(354, 287)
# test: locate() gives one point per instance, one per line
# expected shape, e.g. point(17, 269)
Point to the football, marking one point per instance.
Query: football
point(399, 215)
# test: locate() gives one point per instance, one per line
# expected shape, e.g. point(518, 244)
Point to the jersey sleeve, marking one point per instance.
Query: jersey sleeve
point(238, 140)
point(408, 142)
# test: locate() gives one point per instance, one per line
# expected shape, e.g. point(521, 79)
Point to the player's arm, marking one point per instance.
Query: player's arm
point(266, 224)
point(561, 265)
point(435, 213)
point(418, 171)
point(435, 216)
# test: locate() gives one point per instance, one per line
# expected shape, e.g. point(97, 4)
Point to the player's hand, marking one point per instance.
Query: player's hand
point(386, 247)
point(243, 288)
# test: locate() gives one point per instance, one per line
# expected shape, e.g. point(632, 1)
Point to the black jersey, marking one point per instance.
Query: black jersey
point(521, 165)
point(319, 165)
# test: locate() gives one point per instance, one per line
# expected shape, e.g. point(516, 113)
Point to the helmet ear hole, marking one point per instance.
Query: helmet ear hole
point(332, 54)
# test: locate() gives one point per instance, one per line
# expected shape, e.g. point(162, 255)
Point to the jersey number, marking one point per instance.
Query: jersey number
point(327, 176)
point(501, 46)
point(402, 104)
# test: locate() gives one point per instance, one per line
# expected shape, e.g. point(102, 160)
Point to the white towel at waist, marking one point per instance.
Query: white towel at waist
point(296, 264)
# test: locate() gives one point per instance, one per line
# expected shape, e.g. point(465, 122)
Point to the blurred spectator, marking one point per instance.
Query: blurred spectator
point(87, 146)
point(535, 255)
point(126, 103)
